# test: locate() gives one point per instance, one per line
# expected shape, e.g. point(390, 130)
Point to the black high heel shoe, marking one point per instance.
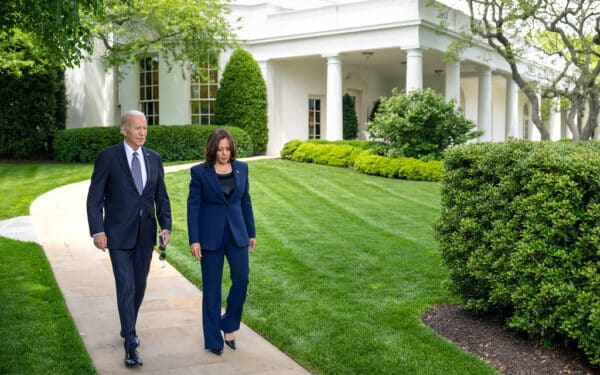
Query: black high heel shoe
point(230, 343)
point(218, 352)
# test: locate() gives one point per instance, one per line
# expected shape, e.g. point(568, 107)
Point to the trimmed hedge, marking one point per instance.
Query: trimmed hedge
point(356, 154)
point(520, 234)
point(32, 109)
point(173, 142)
point(241, 99)
point(404, 168)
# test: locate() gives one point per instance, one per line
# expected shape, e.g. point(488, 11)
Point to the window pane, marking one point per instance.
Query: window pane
point(318, 117)
point(195, 92)
point(318, 104)
point(155, 92)
point(204, 109)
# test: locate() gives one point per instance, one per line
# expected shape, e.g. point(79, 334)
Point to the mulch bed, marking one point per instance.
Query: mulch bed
point(505, 350)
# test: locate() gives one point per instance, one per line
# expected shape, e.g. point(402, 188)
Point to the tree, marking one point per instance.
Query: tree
point(181, 31)
point(349, 121)
point(52, 26)
point(63, 32)
point(564, 34)
point(242, 98)
point(419, 124)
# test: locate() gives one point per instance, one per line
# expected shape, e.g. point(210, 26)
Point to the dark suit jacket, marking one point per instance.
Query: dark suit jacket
point(114, 204)
point(208, 211)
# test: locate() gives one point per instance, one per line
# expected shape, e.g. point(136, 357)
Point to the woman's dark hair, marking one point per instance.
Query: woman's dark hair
point(212, 145)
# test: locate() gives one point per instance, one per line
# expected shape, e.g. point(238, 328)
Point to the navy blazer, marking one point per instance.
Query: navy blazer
point(209, 211)
point(114, 204)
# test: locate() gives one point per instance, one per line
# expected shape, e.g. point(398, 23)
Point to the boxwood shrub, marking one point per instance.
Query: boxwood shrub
point(356, 154)
point(520, 234)
point(173, 143)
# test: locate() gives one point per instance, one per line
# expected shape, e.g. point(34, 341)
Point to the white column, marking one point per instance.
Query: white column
point(484, 103)
point(453, 82)
point(414, 69)
point(334, 127)
point(275, 143)
point(554, 122)
point(512, 109)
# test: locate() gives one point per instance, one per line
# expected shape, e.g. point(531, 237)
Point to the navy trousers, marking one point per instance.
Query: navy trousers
point(212, 275)
point(130, 268)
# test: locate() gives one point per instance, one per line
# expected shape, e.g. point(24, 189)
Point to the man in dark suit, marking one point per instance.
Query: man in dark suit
point(126, 197)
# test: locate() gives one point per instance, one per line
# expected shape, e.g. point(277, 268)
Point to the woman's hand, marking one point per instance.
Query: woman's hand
point(252, 244)
point(195, 250)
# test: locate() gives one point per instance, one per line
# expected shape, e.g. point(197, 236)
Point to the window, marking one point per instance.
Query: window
point(203, 91)
point(149, 89)
point(314, 118)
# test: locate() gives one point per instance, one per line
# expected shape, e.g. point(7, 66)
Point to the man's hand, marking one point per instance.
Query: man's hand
point(100, 241)
point(252, 244)
point(195, 250)
point(166, 235)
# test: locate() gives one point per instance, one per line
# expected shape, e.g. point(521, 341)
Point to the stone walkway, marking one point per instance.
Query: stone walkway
point(170, 322)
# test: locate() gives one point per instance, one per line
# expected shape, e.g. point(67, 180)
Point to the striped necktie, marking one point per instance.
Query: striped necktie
point(136, 172)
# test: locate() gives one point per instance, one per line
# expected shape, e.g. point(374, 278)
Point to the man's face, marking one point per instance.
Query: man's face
point(135, 131)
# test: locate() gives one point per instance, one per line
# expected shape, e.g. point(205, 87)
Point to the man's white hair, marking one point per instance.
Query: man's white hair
point(131, 112)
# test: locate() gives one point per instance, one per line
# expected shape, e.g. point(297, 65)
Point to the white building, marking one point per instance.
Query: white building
point(311, 53)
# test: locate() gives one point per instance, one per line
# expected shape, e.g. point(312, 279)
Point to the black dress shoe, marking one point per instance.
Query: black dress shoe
point(132, 358)
point(136, 339)
point(218, 352)
point(230, 343)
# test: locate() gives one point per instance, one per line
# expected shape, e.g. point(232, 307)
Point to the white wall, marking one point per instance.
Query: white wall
point(91, 94)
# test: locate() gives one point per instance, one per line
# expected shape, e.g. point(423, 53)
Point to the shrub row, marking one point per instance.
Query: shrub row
point(356, 154)
point(520, 234)
point(173, 143)
point(32, 108)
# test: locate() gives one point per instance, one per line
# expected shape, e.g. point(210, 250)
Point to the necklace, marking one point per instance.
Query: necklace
point(223, 169)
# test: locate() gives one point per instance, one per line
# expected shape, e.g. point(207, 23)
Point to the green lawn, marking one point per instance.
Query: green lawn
point(21, 183)
point(344, 267)
point(37, 334)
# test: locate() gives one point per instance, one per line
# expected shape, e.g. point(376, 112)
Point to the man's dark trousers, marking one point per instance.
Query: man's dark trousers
point(130, 269)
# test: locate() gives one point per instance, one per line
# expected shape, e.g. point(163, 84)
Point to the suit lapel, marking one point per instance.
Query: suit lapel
point(237, 176)
point(122, 157)
point(150, 169)
point(213, 181)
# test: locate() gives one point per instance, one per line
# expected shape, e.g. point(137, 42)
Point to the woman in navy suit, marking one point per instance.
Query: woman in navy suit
point(221, 225)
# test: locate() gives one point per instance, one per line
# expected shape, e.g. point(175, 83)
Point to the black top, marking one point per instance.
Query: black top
point(227, 182)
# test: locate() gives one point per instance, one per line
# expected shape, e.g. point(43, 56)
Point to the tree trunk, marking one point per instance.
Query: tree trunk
point(592, 120)
point(531, 94)
point(572, 121)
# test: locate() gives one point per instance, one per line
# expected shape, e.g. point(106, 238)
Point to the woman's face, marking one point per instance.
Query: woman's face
point(223, 151)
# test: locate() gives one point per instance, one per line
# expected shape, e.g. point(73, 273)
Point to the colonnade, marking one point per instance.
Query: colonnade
point(414, 80)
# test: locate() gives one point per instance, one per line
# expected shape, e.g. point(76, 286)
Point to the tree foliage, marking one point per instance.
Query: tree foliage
point(63, 32)
point(181, 31)
point(564, 34)
point(420, 124)
point(242, 98)
point(53, 26)
point(349, 121)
